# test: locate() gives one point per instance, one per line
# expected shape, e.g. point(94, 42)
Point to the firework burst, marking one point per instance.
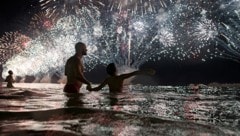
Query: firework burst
point(230, 40)
point(12, 43)
point(205, 30)
point(52, 48)
point(132, 32)
point(226, 13)
point(43, 21)
point(88, 10)
point(139, 7)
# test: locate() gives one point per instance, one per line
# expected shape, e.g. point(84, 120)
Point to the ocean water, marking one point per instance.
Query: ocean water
point(43, 109)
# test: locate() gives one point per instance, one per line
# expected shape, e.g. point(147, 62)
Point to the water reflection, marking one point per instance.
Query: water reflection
point(133, 112)
point(192, 104)
point(73, 100)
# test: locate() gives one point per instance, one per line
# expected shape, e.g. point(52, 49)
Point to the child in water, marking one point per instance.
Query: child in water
point(115, 82)
point(9, 79)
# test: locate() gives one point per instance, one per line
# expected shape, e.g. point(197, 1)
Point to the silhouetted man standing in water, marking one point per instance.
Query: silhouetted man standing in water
point(74, 70)
point(9, 79)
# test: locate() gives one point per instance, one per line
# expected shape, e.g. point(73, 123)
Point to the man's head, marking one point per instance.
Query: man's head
point(10, 72)
point(111, 69)
point(81, 48)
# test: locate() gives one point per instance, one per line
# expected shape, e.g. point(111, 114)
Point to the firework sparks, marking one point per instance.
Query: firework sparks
point(166, 37)
point(205, 30)
point(229, 40)
point(132, 32)
point(51, 49)
point(138, 6)
point(229, 22)
point(86, 9)
point(42, 21)
point(12, 43)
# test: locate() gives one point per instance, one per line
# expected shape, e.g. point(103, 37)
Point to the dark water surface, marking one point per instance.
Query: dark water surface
point(43, 109)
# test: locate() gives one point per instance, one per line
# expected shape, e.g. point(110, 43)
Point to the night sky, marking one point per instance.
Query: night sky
point(169, 72)
point(13, 12)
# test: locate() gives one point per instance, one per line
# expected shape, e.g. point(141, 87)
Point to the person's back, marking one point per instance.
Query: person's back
point(71, 70)
point(74, 70)
point(115, 82)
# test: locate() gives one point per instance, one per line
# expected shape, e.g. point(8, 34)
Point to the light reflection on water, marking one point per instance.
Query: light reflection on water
point(145, 110)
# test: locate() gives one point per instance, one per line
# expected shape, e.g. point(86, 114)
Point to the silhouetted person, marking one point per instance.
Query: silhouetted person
point(114, 81)
point(9, 79)
point(74, 70)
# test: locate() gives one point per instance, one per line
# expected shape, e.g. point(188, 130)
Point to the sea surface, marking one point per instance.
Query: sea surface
point(38, 109)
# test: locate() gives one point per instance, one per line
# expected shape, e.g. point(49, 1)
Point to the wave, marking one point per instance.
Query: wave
point(39, 109)
point(85, 117)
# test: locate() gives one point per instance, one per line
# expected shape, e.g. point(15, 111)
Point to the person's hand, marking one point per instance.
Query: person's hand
point(89, 88)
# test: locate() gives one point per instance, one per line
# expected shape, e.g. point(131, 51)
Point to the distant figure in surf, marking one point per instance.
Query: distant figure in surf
point(115, 82)
point(74, 70)
point(9, 79)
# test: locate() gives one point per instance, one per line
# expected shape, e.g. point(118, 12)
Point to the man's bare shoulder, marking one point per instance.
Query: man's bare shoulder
point(73, 59)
